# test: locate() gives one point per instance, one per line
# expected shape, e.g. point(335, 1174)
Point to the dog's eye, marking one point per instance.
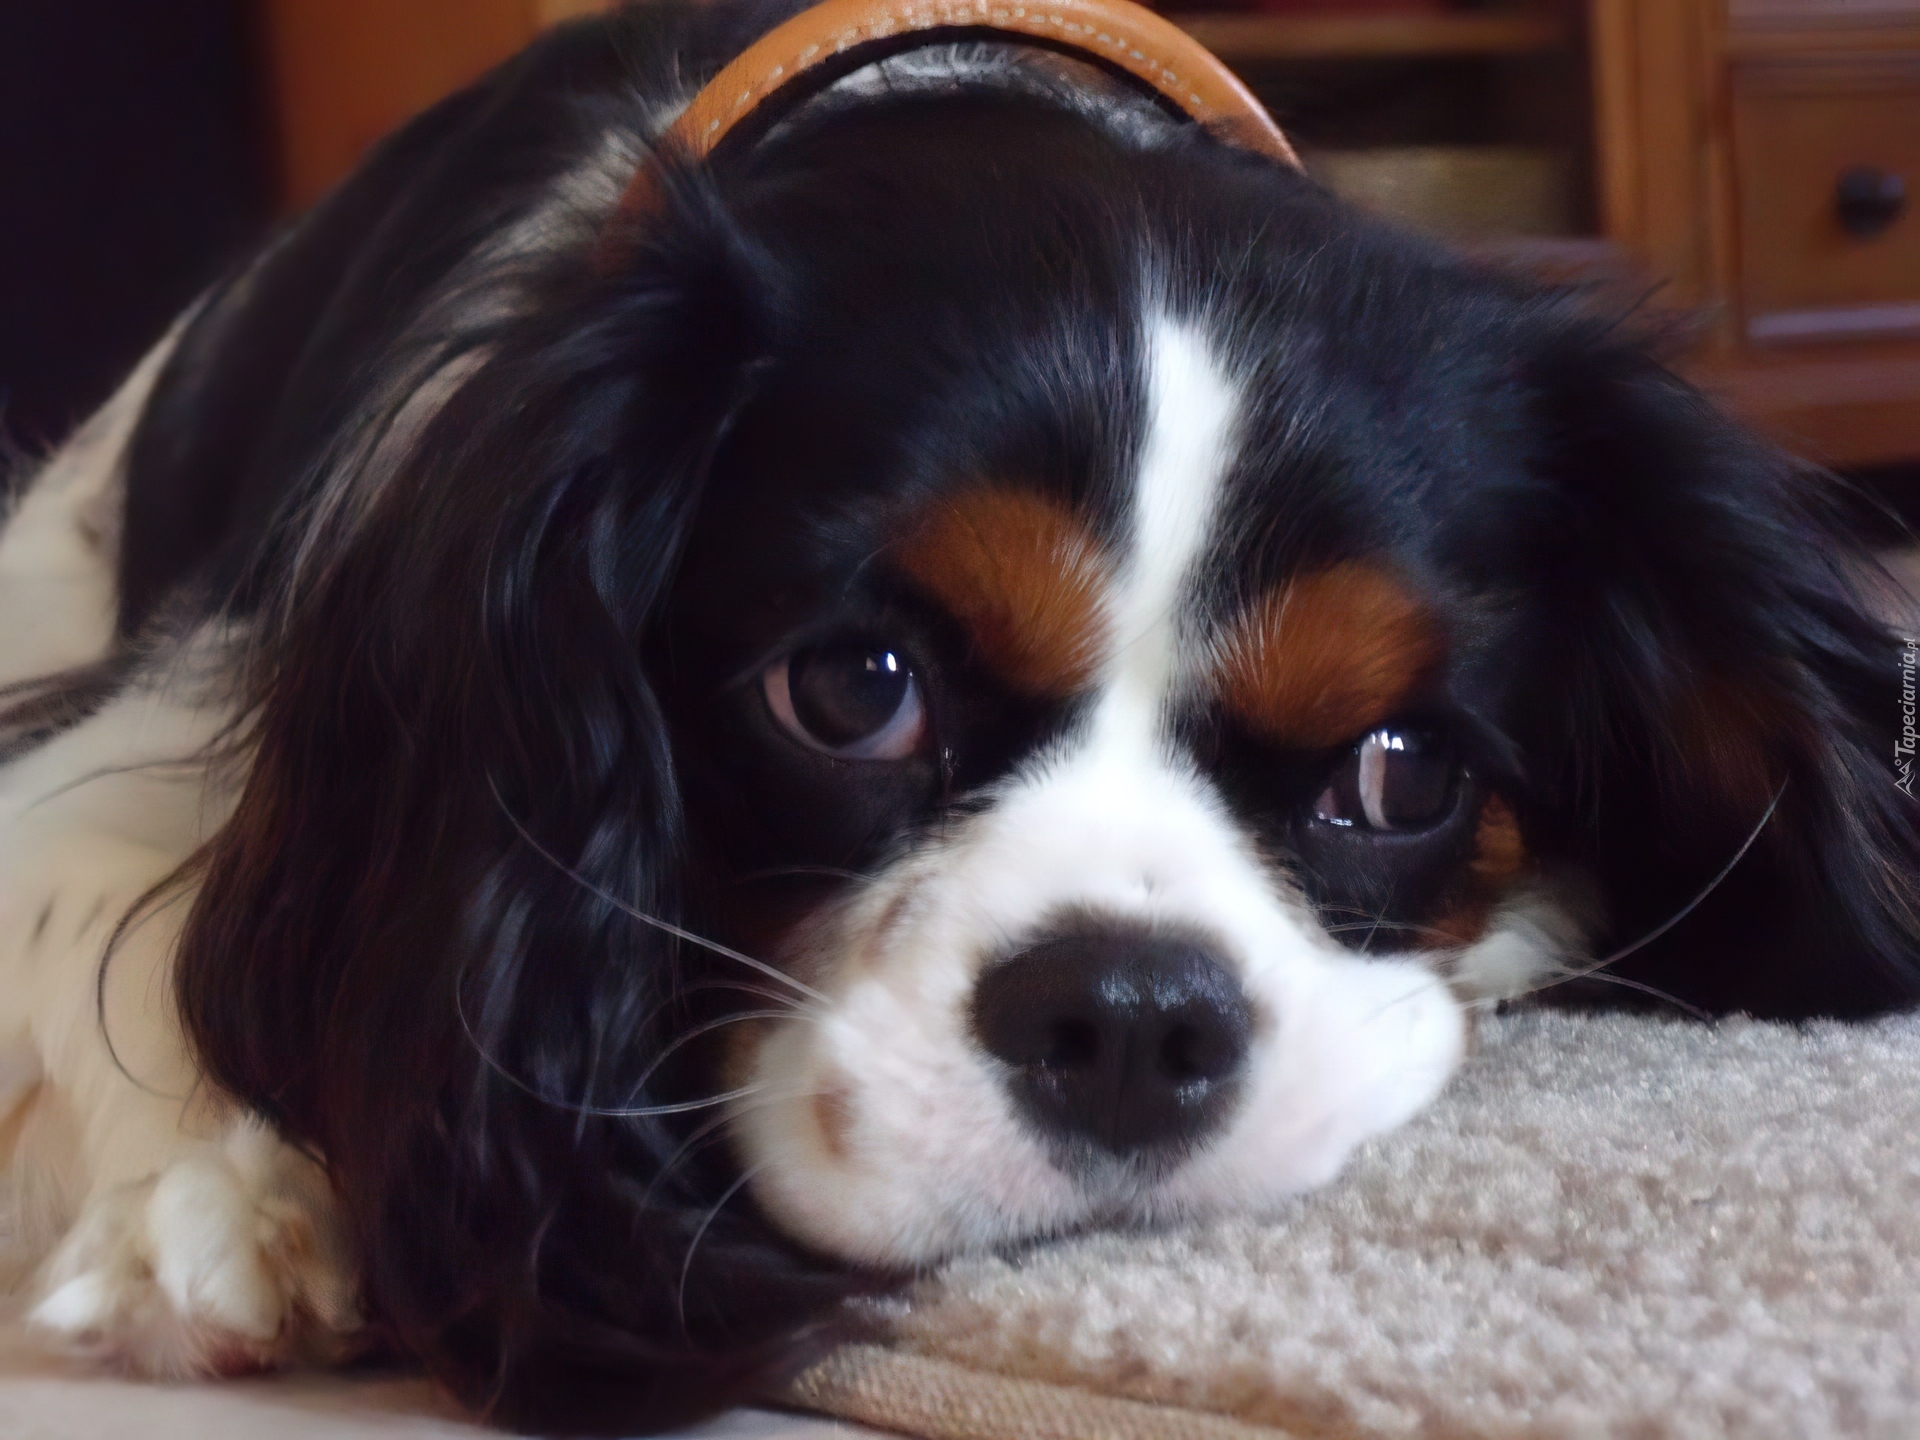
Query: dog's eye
point(1392, 780)
point(859, 702)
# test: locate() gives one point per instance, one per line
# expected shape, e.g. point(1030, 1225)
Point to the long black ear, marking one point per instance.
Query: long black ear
point(1699, 635)
point(416, 944)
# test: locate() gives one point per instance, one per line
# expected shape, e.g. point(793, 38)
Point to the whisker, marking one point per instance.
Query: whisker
point(605, 1112)
point(700, 1234)
point(791, 1006)
point(1370, 921)
point(685, 1107)
point(1490, 1002)
point(707, 1129)
point(664, 926)
point(1453, 941)
point(702, 1131)
point(1413, 992)
point(1592, 970)
point(1373, 934)
point(686, 1037)
point(830, 872)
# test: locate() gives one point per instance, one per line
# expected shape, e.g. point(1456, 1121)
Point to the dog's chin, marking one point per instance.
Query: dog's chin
point(901, 1154)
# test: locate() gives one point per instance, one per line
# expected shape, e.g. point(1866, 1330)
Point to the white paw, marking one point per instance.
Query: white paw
point(231, 1259)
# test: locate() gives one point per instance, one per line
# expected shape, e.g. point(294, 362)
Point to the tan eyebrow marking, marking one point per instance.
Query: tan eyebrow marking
point(1024, 575)
point(1314, 662)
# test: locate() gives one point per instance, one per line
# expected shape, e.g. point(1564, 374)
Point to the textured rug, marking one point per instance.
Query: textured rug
point(1610, 1226)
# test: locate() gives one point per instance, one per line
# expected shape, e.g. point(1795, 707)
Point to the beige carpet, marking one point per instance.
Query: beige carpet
point(1609, 1227)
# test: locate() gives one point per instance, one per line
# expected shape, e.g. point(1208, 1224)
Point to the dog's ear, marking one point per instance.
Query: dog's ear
point(419, 942)
point(1696, 667)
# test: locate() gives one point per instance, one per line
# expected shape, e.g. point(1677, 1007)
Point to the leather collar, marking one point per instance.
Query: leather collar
point(807, 53)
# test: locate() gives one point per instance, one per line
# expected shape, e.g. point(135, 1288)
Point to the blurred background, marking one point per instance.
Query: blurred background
point(1744, 164)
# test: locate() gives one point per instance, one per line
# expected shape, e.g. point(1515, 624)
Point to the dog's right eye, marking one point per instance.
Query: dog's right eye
point(854, 701)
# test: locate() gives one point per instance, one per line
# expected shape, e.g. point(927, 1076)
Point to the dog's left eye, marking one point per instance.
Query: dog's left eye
point(854, 701)
point(1392, 779)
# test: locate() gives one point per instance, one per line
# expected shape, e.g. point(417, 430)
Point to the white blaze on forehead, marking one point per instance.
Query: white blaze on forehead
point(1192, 410)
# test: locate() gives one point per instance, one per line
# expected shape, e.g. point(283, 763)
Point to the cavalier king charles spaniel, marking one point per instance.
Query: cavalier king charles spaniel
point(644, 726)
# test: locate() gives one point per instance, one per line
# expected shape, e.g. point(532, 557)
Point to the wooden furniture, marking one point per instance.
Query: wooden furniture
point(1736, 139)
point(1747, 161)
point(342, 73)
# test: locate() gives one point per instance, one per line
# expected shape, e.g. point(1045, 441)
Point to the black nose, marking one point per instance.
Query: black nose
point(1133, 1041)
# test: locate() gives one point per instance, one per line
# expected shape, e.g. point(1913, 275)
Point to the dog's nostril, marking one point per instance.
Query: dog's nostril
point(1184, 1055)
point(1125, 1038)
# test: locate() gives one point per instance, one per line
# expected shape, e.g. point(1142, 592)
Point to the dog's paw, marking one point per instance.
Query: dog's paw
point(229, 1260)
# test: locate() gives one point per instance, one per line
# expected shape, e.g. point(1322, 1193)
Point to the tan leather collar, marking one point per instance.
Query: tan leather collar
point(832, 39)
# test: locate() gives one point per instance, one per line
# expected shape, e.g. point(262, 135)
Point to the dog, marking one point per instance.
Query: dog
point(612, 747)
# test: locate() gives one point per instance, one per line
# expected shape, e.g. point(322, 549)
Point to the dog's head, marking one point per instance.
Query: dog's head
point(1007, 666)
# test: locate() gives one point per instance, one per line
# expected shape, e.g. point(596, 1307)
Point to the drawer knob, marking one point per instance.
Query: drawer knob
point(1869, 200)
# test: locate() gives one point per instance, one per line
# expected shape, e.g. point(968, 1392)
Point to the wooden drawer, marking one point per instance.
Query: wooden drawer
point(1798, 129)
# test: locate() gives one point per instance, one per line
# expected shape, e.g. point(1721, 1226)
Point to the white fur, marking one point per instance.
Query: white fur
point(199, 1243)
point(931, 1156)
point(1538, 935)
point(228, 1257)
point(57, 548)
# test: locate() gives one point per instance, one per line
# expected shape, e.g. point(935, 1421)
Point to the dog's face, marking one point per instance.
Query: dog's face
point(991, 674)
point(1024, 733)
point(1107, 774)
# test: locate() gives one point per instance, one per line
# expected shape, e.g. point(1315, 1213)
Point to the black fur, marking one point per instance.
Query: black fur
point(496, 714)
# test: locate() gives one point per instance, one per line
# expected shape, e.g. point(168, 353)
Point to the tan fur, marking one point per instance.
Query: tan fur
point(1026, 579)
point(1499, 849)
point(834, 1112)
point(1316, 661)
